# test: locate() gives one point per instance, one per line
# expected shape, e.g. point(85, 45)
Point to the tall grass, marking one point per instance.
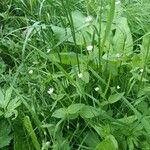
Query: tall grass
point(74, 75)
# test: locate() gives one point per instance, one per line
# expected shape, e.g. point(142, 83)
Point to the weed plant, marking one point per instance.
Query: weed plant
point(74, 75)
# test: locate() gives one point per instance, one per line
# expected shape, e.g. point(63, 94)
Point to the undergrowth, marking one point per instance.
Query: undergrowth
point(74, 75)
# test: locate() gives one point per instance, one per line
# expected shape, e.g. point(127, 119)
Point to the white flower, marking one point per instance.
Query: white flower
point(141, 70)
point(30, 71)
point(50, 91)
point(80, 75)
point(118, 87)
point(48, 50)
point(96, 89)
point(88, 19)
point(118, 2)
point(89, 48)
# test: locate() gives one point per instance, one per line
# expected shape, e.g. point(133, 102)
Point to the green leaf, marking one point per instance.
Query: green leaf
point(89, 112)
point(61, 33)
point(2, 66)
point(66, 58)
point(5, 136)
point(86, 77)
point(1, 98)
point(8, 96)
point(1, 113)
point(144, 91)
point(13, 104)
point(60, 113)
point(128, 119)
point(75, 108)
point(92, 139)
point(109, 143)
point(21, 140)
point(122, 40)
point(115, 97)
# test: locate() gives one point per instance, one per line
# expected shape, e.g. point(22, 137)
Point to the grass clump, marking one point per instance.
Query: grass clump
point(74, 75)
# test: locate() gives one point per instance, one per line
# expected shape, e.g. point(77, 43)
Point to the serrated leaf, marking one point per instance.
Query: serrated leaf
point(9, 113)
point(14, 103)
point(115, 97)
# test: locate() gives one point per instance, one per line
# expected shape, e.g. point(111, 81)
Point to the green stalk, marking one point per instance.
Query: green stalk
point(108, 26)
point(70, 20)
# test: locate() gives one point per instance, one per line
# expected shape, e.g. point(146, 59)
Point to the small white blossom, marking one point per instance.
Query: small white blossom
point(96, 89)
point(48, 50)
point(30, 71)
point(118, 87)
point(50, 91)
point(118, 2)
point(88, 19)
point(141, 70)
point(80, 75)
point(89, 48)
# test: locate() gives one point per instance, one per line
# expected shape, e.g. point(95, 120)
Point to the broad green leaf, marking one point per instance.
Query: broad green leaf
point(109, 143)
point(89, 112)
point(144, 91)
point(129, 119)
point(115, 97)
point(64, 34)
point(92, 139)
point(60, 113)
point(86, 77)
point(78, 19)
point(61, 33)
point(75, 108)
point(5, 136)
point(71, 58)
point(122, 40)
point(67, 58)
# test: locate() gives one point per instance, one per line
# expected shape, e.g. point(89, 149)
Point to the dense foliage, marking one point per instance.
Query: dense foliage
point(74, 75)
